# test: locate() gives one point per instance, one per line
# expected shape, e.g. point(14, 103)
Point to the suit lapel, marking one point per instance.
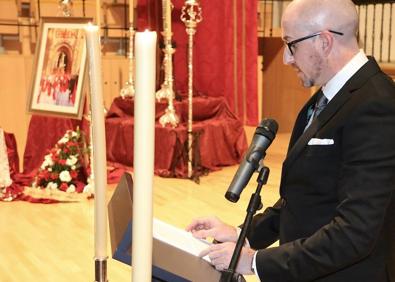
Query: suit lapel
point(301, 122)
point(297, 145)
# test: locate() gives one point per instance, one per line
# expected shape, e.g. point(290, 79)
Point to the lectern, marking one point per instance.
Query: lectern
point(170, 264)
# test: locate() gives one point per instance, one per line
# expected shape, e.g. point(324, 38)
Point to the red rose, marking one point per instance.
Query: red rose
point(54, 175)
point(73, 144)
point(62, 162)
point(46, 175)
point(63, 186)
point(73, 174)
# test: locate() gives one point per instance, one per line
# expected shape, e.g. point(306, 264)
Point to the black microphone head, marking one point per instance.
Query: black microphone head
point(263, 137)
point(268, 127)
point(232, 197)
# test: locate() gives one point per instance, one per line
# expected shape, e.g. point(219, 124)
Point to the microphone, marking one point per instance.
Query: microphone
point(263, 137)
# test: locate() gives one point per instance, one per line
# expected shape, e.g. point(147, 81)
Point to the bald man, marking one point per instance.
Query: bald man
point(335, 219)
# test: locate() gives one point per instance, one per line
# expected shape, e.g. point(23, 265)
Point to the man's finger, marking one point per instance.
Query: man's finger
point(198, 224)
point(203, 234)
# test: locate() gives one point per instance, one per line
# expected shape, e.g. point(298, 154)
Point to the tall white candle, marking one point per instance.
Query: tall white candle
point(98, 14)
point(131, 12)
point(168, 16)
point(143, 163)
point(98, 140)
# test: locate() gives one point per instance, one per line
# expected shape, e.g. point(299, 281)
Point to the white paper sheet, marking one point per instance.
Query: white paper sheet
point(179, 238)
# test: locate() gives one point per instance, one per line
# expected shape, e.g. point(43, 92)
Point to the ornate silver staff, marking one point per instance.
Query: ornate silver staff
point(128, 90)
point(191, 15)
point(167, 90)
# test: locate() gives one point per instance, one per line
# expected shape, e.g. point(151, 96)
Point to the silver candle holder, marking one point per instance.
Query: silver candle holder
point(128, 90)
point(167, 88)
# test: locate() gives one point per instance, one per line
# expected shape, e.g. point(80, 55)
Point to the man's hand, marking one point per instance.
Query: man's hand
point(221, 254)
point(212, 227)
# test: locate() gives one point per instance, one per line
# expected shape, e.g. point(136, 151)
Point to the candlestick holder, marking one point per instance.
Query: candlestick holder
point(101, 270)
point(191, 15)
point(167, 91)
point(128, 90)
point(167, 88)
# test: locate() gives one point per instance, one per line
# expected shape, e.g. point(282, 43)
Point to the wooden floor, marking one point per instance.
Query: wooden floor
point(55, 242)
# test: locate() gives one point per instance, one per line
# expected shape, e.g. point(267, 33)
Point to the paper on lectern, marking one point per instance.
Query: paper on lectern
point(179, 238)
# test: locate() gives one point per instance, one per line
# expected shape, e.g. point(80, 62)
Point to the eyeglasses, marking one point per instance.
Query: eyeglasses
point(293, 42)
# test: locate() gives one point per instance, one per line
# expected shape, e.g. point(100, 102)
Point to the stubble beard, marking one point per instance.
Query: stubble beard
point(311, 80)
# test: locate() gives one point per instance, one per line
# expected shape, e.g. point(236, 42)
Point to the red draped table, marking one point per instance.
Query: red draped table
point(219, 136)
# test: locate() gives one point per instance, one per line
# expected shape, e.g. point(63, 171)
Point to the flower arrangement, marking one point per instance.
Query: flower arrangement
point(62, 166)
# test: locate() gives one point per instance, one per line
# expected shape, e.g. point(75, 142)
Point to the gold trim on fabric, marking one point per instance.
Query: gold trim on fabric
point(243, 60)
point(235, 57)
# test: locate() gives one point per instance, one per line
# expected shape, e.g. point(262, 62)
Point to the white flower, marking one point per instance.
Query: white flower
point(52, 185)
point(65, 176)
point(50, 169)
point(72, 160)
point(87, 188)
point(64, 139)
point(73, 167)
point(74, 134)
point(71, 189)
point(5, 182)
point(47, 161)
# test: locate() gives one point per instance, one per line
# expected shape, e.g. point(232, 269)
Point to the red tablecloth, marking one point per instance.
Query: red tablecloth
point(219, 136)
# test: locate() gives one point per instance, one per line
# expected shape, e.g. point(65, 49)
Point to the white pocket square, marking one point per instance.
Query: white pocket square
point(317, 141)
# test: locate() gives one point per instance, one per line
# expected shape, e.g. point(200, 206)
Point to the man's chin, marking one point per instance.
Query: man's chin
point(305, 82)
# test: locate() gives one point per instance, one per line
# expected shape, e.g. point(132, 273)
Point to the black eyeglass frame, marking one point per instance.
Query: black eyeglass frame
point(293, 42)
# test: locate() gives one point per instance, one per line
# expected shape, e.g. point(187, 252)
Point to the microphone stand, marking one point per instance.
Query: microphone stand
point(230, 275)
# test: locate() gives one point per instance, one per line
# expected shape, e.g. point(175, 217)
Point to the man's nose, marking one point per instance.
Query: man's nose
point(288, 58)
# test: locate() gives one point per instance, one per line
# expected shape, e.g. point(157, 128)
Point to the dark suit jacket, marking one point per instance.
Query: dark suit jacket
point(335, 219)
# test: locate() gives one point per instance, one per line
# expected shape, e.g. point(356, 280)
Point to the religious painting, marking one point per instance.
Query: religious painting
point(59, 68)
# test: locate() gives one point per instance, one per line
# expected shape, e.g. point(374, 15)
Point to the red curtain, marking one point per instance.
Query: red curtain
point(225, 51)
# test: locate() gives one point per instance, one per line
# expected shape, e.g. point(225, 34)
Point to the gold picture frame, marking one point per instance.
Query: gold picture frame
point(57, 87)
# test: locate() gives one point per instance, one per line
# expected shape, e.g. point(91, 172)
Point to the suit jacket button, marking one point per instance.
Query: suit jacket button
point(283, 202)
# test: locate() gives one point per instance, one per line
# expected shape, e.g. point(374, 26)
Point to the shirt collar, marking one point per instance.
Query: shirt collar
point(337, 82)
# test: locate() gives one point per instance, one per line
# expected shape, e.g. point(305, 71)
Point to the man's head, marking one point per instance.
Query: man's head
point(321, 37)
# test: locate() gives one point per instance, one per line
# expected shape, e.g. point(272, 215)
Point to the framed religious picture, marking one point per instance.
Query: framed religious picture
point(59, 68)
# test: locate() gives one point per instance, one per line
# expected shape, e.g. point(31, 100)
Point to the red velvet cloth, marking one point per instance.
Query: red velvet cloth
point(42, 135)
point(12, 152)
point(225, 51)
point(15, 190)
point(220, 136)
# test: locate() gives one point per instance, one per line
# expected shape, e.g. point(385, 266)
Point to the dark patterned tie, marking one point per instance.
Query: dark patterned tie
point(320, 104)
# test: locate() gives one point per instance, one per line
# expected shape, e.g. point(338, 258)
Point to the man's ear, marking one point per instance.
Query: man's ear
point(326, 42)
